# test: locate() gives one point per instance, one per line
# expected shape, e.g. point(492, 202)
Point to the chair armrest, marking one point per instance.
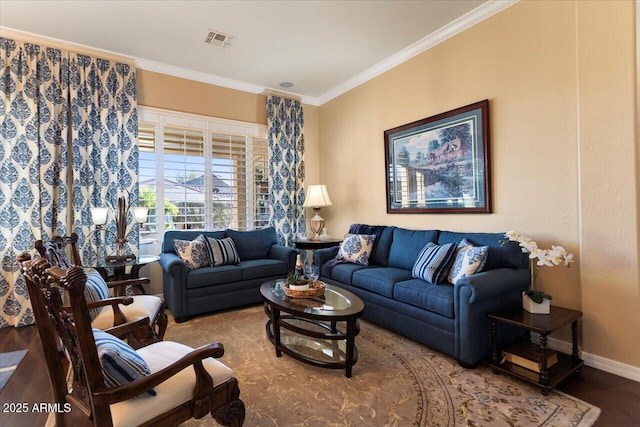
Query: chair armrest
point(128, 331)
point(134, 388)
point(285, 254)
point(129, 282)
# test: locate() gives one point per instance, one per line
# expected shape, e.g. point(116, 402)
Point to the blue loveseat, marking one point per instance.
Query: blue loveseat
point(189, 292)
point(449, 318)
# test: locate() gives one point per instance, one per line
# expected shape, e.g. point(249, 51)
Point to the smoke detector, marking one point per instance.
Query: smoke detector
point(216, 38)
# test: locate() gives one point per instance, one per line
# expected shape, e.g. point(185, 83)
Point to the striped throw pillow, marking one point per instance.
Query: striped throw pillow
point(434, 262)
point(120, 362)
point(95, 290)
point(222, 251)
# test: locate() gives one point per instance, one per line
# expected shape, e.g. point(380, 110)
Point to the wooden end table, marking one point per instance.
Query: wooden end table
point(542, 324)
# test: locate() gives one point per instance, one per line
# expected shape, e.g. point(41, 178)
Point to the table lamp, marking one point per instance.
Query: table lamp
point(99, 216)
point(317, 197)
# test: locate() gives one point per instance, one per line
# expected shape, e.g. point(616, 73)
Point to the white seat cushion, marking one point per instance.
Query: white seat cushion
point(142, 306)
point(171, 393)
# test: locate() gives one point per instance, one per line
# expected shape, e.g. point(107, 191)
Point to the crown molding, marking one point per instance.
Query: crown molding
point(467, 20)
point(28, 37)
point(482, 12)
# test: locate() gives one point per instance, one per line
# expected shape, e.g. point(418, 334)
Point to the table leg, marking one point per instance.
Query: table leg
point(275, 322)
point(544, 372)
point(575, 356)
point(494, 343)
point(351, 342)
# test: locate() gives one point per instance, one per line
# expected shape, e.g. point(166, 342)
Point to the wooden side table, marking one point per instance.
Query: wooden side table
point(311, 245)
point(542, 324)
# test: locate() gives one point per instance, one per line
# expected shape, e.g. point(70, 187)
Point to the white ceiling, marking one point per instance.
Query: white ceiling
point(323, 47)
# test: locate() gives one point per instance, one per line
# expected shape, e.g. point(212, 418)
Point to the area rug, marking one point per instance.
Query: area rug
point(9, 362)
point(396, 382)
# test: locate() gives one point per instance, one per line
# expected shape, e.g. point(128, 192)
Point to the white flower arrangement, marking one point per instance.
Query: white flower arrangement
point(550, 257)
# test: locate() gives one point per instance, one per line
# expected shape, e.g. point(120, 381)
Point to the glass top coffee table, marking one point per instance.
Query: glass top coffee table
point(319, 331)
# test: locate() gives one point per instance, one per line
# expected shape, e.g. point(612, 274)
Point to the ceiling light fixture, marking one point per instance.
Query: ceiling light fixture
point(286, 84)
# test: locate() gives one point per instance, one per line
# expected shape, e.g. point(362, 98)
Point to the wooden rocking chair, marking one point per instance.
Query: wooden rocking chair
point(56, 252)
point(187, 383)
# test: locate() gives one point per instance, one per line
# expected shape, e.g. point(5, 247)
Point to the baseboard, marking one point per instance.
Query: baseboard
point(598, 362)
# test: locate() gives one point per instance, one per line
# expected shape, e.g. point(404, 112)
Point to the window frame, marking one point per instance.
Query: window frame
point(212, 127)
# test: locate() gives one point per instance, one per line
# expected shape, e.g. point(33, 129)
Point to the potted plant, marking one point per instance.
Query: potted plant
point(297, 282)
point(535, 300)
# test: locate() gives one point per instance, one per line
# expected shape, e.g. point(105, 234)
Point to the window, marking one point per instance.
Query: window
point(211, 174)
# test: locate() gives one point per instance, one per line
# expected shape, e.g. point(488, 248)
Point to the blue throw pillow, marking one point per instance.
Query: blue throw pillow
point(95, 289)
point(434, 262)
point(356, 248)
point(222, 251)
point(194, 253)
point(469, 260)
point(120, 362)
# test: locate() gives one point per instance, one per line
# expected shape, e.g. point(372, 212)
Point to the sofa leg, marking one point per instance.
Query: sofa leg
point(467, 365)
point(181, 319)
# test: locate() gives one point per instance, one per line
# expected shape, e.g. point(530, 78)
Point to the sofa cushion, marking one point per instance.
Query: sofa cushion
point(119, 361)
point(256, 268)
point(437, 299)
point(211, 276)
point(469, 260)
point(380, 279)
point(356, 248)
point(407, 245)
point(434, 262)
point(254, 244)
point(502, 253)
point(222, 251)
point(344, 272)
point(194, 253)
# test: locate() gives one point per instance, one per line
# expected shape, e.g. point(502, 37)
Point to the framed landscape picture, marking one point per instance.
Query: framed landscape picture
point(440, 164)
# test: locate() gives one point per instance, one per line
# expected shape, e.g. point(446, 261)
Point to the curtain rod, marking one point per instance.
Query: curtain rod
point(268, 92)
point(27, 37)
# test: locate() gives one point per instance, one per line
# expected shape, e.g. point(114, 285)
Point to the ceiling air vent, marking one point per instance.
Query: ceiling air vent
point(216, 38)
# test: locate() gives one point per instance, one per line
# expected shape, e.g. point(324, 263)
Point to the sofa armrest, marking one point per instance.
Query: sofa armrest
point(320, 256)
point(490, 284)
point(285, 254)
point(474, 298)
point(174, 283)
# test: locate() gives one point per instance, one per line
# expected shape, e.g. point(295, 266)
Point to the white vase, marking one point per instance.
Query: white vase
point(535, 308)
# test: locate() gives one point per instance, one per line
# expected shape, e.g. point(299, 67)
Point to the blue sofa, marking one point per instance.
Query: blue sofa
point(203, 290)
point(449, 318)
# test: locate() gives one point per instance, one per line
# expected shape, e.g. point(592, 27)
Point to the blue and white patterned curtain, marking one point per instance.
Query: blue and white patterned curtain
point(104, 136)
point(33, 162)
point(44, 91)
point(285, 120)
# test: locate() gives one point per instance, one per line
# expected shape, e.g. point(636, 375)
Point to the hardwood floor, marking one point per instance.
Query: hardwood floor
point(617, 397)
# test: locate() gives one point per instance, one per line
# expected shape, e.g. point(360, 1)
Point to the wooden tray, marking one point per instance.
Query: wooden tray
point(316, 289)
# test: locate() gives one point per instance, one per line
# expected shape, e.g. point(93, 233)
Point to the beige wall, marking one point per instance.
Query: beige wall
point(188, 96)
point(560, 80)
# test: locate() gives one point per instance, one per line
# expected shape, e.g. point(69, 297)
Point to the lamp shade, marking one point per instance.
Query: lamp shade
point(140, 214)
point(317, 197)
point(99, 215)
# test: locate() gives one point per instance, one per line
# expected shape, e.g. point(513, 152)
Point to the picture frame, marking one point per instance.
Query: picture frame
point(440, 164)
